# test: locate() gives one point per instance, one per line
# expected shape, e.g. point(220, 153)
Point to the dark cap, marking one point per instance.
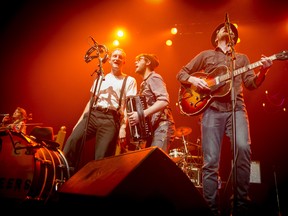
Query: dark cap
point(232, 27)
point(152, 58)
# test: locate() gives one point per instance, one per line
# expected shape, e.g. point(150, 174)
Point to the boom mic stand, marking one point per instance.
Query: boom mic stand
point(233, 101)
point(96, 85)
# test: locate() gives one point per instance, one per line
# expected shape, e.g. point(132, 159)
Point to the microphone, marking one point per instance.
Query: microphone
point(4, 114)
point(95, 42)
point(101, 48)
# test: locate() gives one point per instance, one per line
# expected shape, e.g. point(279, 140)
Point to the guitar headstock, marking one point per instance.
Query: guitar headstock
point(283, 55)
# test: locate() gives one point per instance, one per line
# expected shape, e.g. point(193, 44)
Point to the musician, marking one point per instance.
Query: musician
point(17, 122)
point(216, 119)
point(154, 89)
point(107, 121)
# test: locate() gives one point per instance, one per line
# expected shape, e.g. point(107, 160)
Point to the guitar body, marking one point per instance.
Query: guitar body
point(193, 101)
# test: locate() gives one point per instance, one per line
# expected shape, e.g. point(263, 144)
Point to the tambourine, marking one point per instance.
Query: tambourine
point(98, 49)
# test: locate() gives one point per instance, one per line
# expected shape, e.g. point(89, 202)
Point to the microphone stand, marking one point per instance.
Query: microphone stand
point(97, 85)
point(233, 102)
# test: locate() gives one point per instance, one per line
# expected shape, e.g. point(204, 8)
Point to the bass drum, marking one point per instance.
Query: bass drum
point(29, 170)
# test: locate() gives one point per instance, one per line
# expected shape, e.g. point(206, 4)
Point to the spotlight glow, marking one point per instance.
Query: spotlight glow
point(169, 42)
point(116, 43)
point(174, 31)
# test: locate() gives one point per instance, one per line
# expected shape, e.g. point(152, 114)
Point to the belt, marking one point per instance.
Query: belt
point(105, 110)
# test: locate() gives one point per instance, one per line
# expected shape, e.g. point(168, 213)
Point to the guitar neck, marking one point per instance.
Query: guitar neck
point(245, 68)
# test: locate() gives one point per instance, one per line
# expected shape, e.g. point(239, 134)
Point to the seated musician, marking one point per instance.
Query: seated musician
point(17, 122)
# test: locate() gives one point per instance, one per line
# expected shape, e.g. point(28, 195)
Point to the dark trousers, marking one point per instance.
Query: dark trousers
point(103, 126)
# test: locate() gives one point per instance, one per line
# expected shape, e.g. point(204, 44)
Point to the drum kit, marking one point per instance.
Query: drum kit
point(30, 170)
point(189, 156)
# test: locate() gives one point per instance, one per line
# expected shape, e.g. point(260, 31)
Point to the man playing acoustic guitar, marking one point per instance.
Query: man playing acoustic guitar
point(206, 89)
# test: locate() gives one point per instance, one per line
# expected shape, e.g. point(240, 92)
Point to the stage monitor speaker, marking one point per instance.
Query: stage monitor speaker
point(142, 181)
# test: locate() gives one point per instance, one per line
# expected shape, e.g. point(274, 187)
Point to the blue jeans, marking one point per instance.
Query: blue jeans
point(163, 135)
point(214, 126)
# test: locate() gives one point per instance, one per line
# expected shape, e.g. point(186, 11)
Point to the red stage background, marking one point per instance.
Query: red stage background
point(42, 65)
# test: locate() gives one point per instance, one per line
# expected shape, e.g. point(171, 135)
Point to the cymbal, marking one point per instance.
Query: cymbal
point(182, 131)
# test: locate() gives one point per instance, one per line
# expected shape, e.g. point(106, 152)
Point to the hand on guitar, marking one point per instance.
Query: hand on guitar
point(266, 63)
point(199, 83)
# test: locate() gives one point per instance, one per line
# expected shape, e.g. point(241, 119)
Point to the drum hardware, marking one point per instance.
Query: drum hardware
point(192, 146)
point(59, 183)
point(190, 164)
point(29, 170)
point(178, 155)
point(194, 174)
point(193, 156)
point(191, 169)
point(43, 161)
point(29, 150)
point(29, 143)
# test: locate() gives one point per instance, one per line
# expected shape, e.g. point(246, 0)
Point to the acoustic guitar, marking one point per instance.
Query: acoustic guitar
point(193, 101)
